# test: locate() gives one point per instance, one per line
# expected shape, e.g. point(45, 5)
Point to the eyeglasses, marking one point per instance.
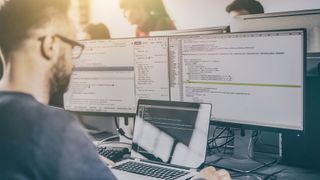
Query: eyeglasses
point(77, 48)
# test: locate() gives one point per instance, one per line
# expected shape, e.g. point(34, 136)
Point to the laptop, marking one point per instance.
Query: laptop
point(169, 141)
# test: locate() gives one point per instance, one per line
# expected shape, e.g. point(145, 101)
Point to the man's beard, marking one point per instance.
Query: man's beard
point(60, 79)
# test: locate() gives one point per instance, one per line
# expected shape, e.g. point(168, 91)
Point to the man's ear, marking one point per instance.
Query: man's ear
point(49, 47)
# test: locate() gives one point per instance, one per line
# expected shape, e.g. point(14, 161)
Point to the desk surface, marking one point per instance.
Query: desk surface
point(281, 172)
point(272, 172)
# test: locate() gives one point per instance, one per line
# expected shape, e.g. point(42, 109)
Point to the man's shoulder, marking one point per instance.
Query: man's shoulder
point(57, 113)
point(22, 106)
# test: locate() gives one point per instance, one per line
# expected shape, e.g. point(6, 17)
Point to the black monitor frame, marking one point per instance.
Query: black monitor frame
point(223, 123)
point(267, 128)
point(103, 114)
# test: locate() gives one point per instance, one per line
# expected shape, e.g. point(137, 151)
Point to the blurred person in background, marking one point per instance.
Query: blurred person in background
point(244, 7)
point(147, 15)
point(97, 31)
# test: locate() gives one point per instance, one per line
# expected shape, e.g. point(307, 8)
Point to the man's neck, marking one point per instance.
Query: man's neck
point(23, 76)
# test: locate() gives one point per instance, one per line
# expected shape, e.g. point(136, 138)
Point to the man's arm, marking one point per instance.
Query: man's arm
point(79, 158)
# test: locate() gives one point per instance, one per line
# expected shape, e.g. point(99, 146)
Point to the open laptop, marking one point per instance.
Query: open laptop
point(169, 141)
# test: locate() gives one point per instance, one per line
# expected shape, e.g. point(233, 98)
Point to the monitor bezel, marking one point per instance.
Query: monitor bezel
point(192, 31)
point(103, 114)
point(217, 122)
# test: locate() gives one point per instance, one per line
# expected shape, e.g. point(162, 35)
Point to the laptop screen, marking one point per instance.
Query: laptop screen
point(171, 132)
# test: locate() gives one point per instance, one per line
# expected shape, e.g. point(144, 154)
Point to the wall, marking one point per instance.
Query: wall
point(188, 13)
point(109, 13)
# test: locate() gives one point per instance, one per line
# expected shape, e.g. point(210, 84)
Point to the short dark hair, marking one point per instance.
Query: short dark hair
point(18, 17)
point(98, 31)
point(252, 6)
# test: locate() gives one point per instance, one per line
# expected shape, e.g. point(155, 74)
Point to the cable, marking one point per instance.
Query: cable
point(3, 63)
point(216, 137)
point(107, 139)
point(120, 130)
point(229, 137)
point(220, 146)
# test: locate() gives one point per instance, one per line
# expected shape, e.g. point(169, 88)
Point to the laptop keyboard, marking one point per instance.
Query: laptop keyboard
point(151, 170)
point(113, 153)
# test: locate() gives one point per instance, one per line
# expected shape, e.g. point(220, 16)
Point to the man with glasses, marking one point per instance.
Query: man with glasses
point(36, 140)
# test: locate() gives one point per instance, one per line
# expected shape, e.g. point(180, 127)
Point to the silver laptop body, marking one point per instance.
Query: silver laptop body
point(169, 141)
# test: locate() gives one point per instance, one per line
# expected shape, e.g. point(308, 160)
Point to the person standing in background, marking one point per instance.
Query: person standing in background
point(97, 31)
point(244, 7)
point(147, 15)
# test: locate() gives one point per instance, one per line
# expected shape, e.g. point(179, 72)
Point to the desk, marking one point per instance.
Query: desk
point(272, 172)
point(287, 173)
point(284, 172)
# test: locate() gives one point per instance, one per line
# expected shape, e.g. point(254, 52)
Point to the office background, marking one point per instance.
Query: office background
point(187, 13)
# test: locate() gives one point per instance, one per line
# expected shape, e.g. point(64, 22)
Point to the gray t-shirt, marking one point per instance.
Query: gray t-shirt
point(41, 142)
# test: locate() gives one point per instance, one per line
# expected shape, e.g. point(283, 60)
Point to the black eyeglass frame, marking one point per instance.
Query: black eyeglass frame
point(71, 42)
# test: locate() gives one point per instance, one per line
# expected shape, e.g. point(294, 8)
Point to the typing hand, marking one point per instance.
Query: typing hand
point(106, 161)
point(210, 173)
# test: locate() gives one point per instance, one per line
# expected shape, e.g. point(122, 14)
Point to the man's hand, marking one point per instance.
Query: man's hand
point(106, 161)
point(210, 173)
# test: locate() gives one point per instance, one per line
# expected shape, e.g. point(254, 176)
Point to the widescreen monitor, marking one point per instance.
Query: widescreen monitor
point(195, 31)
point(251, 79)
point(308, 19)
point(112, 75)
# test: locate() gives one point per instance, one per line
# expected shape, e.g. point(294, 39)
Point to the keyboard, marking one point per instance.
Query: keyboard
point(113, 153)
point(151, 170)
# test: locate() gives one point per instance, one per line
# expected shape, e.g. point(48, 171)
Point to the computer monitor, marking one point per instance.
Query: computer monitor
point(308, 19)
point(252, 79)
point(195, 31)
point(112, 75)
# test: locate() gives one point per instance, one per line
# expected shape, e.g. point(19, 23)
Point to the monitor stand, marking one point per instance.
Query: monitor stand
point(243, 159)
